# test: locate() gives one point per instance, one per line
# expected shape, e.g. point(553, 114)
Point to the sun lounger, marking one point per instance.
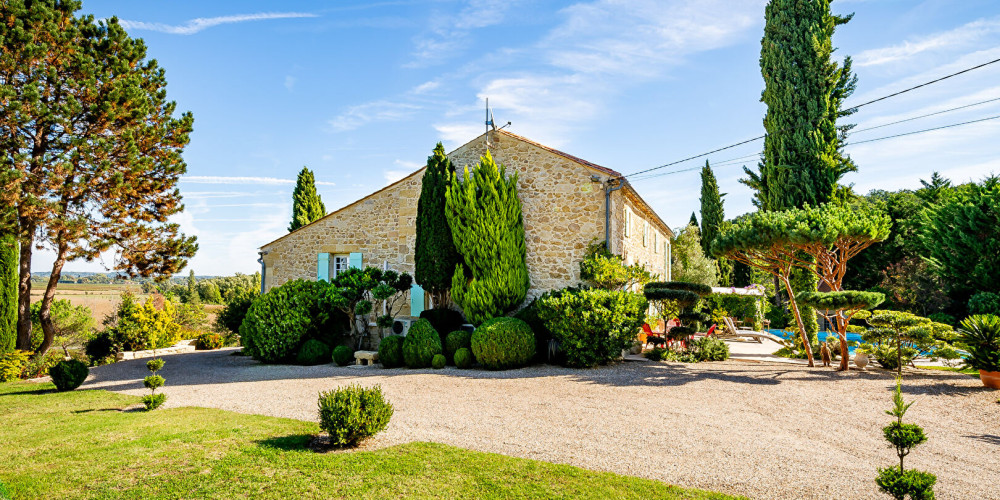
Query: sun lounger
point(733, 332)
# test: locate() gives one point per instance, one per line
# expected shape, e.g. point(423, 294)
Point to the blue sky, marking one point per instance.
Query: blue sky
point(361, 91)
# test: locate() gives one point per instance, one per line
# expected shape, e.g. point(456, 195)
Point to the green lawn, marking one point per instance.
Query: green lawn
point(79, 444)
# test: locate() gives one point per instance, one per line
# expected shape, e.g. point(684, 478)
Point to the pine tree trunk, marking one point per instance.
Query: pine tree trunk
point(24, 293)
point(45, 312)
point(798, 319)
point(845, 355)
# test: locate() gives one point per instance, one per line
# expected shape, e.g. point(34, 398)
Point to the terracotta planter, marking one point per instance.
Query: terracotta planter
point(990, 379)
point(861, 360)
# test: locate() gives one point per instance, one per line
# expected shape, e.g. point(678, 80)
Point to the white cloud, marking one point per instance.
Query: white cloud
point(218, 179)
point(411, 165)
point(448, 34)
point(289, 82)
point(456, 134)
point(963, 37)
point(202, 23)
point(377, 111)
point(425, 87)
point(394, 175)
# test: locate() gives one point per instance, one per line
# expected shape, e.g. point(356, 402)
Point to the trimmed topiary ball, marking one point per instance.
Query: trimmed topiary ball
point(455, 341)
point(68, 375)
point(313, 352)
point(421, 344)
point(438, 362)
point(463, 358)
point(353, 413)
point(343, 355)
point(390, 351)
point(279, 322)
point(502, 343)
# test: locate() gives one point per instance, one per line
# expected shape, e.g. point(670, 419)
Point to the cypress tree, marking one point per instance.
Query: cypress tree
point(307, 206)
point(8, 292)
point(435, 255)
point(713, 216)
point(694, 220)
point(804, 90)
point(484, 214)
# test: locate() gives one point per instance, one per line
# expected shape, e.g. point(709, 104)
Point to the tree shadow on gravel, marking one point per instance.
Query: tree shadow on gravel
point(986, 438)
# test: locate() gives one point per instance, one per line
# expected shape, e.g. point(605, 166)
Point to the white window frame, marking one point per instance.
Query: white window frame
point(339, 262)
point(645, 232)
point(628, 222)
point(656, 246)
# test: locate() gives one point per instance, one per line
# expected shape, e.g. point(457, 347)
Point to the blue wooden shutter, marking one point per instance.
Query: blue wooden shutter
point(355, 260)
point(323, 267)
point(416, 300)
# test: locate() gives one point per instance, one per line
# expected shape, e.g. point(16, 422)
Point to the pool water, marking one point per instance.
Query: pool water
point(785, 334)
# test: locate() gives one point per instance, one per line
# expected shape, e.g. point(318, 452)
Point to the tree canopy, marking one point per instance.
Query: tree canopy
point(435, 256)
point(688, 262)
point(484, 214)
point(91, 150)
point(713, 217)
point(307, 205)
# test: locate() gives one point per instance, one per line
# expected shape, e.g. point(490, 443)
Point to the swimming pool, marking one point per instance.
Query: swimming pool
point(785, 334)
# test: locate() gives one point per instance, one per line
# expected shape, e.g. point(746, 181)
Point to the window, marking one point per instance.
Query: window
point(645, 232)
point(338, 264)
point(628, 223)
point(656, 248)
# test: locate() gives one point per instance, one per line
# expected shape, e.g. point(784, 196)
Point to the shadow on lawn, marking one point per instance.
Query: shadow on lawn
point(294, 442)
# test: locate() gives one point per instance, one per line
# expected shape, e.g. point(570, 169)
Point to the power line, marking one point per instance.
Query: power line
point(927, 115)
point(848, 144)
point(852, 108)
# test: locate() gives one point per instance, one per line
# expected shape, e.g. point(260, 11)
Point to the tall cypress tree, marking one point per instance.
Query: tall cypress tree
point(712, 218)
point(435, 255)
point(307, 206)
point(8, 292)
point(694, 220)
point(484, 214)
point(804, 89)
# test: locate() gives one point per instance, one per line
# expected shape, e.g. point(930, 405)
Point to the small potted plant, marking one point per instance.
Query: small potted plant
point(980, 334)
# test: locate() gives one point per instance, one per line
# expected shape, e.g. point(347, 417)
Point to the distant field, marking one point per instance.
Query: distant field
point(104, 299)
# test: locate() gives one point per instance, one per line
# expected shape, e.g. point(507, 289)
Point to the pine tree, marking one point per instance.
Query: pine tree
point(713, 217)
point(484, 214)
point(694, 220)
point(8, 292)
point(307, 206)
point(804, 90)
point(435, 256)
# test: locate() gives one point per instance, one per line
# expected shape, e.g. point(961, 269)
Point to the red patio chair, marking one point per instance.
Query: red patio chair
point(652, 337)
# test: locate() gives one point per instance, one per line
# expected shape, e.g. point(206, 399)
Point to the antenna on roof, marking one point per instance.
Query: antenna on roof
point(489, 123)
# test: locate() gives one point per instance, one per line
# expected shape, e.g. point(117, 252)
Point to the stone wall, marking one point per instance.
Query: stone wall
point(647, 241)
point(563, 211)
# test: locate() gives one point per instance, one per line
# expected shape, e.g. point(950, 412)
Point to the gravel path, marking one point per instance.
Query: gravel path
point(756, 429)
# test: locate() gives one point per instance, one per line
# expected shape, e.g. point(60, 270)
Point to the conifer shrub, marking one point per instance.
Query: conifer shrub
point(390, 351)
point(313, 352)
point(899, 482)
point(13, 364)
point(709, 349)
point(101, 348)
point(352, 414)
point(463, 358)
point(420, 345)
point(455, 341)
point(438, 362)
point(153, 382)
point(343, 355)
point(68, 375)
point(503, 343)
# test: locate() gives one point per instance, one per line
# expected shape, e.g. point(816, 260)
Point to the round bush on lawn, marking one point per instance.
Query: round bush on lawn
point(502, 343)
point(313, 352)
point(390, 351)
point(421, 344)
point(343, 355)
point(68, 375)
point(455, 341)
point(353, 413)
point(463, 358)
point(438, 362)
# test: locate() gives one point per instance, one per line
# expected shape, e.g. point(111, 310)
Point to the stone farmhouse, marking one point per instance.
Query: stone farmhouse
point(567, 203)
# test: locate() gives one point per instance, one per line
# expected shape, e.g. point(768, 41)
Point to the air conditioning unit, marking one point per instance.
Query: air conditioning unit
point(400, 326)
point(468, 327)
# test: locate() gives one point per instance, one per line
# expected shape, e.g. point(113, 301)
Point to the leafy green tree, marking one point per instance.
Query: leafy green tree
point(804, 90)
point(91, 149)
point(961, 238)
point(896, 337)
point(8, 293)
point(713, 217)
point(606, 270)
point(900, 483)
point(307, 205)
point(689, 263)
point(484, 214)
point(435, 256)
point(934, 189)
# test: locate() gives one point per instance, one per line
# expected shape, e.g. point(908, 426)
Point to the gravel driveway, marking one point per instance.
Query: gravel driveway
point(756, 429)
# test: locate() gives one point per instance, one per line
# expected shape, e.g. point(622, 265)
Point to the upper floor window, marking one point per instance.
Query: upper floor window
point(339, 263)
